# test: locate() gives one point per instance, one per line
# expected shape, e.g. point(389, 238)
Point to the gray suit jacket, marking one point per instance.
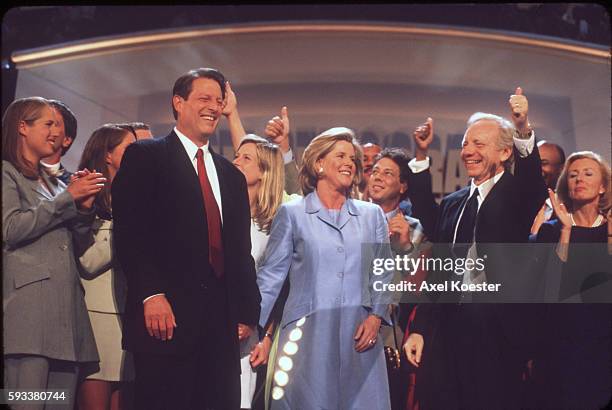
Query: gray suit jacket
point(42, 298)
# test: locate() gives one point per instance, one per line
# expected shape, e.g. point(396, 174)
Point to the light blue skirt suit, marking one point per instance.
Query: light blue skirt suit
point(326, 256)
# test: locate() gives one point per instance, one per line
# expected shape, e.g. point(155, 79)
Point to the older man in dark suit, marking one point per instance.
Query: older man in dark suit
point(182, 225)
point(474, 353)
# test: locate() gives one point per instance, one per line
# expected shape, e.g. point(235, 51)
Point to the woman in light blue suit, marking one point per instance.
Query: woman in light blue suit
point(329, 354)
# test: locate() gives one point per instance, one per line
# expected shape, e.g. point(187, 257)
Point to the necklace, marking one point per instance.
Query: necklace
point(596, 223)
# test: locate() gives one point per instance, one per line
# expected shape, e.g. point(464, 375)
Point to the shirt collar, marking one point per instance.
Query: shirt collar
point(392, 213)
point(52, 169)
point(486, 186)
point(190, 146)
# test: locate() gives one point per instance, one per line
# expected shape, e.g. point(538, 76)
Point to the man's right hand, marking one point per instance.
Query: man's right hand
point(423, 136)
point(414, 348)
point(159, 319)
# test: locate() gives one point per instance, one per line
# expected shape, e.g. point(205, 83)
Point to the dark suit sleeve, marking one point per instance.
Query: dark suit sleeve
point(531, 186)
point(424, 205)
point(133, 202)
point(292, 184)
point(250, 299)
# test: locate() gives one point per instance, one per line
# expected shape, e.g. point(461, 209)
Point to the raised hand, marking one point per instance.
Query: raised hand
point(399, 229)
point(230, 103)
point(423, 136)
point(519, 108)
point(277, 130)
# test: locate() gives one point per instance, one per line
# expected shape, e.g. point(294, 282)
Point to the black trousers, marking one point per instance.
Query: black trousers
point(205, 378)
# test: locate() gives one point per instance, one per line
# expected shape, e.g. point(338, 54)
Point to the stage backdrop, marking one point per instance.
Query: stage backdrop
point(380, 80)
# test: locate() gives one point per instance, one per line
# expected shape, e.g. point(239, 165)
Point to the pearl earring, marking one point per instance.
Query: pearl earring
point(321, 170)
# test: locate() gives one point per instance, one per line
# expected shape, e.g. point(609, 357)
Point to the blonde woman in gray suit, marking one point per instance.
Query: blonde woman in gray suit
point(47, 333)
point(104, 282)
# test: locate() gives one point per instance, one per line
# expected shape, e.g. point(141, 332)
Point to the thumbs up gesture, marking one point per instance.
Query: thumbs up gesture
point(277, 130)
point(519, 108)
point(423, 136)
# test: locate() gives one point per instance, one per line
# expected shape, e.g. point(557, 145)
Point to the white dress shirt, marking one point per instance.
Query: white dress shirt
point(192, 149)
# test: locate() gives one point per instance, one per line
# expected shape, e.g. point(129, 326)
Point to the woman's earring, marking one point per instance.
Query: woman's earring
point(321, 170)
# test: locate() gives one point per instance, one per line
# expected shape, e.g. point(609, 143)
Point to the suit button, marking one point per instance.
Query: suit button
point(340, 249)
point(338, 300)
point(340, 274)
point(63, 247)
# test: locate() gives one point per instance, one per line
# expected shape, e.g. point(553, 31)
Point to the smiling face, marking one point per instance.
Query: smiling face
point(384, 186)
point(40, 136)
point(584, 181)
point(480, 151)
point(338, 167)
point(199, 114)
point(246, 161)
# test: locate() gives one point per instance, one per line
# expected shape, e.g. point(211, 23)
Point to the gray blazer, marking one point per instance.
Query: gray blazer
point(42, 297)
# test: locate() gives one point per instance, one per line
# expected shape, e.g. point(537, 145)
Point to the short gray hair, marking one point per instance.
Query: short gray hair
point(507, 131)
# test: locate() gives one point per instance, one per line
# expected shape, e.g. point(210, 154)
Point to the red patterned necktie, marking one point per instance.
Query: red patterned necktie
point(213, 218)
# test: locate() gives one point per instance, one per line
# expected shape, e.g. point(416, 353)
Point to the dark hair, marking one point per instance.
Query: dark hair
point(27, 110)
point(183, 85)
point(401, 159)
point(102, 141)
point(70, 121)
point(133, 126)
point(560, 151)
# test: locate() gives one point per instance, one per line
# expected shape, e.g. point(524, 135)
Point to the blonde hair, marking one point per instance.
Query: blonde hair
point(271, 166)
point(605, 199)
point(27, 110)
point(318, 148)
point(507, 131)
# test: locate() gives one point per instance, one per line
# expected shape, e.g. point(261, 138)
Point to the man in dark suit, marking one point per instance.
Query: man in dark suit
point(182, 234)
point(67, 123)
point(474, 353)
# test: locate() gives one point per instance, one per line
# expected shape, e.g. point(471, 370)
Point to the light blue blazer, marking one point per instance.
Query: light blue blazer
point(327, 255)
point(322, 255)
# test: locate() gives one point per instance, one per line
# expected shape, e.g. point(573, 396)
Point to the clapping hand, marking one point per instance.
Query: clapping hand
point(560, 210)
point(84, 186)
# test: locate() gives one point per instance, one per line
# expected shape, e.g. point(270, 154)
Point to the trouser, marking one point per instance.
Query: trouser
point(29, 372)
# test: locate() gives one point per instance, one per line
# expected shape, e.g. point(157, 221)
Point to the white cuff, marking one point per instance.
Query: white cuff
point(525, 146)
point(287, 156)
point(152, 296)
point(418, 166)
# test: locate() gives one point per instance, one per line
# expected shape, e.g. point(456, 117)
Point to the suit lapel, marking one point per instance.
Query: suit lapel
point(181, 167)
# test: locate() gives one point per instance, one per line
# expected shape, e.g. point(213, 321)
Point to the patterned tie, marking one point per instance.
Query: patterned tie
point(213, 218)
